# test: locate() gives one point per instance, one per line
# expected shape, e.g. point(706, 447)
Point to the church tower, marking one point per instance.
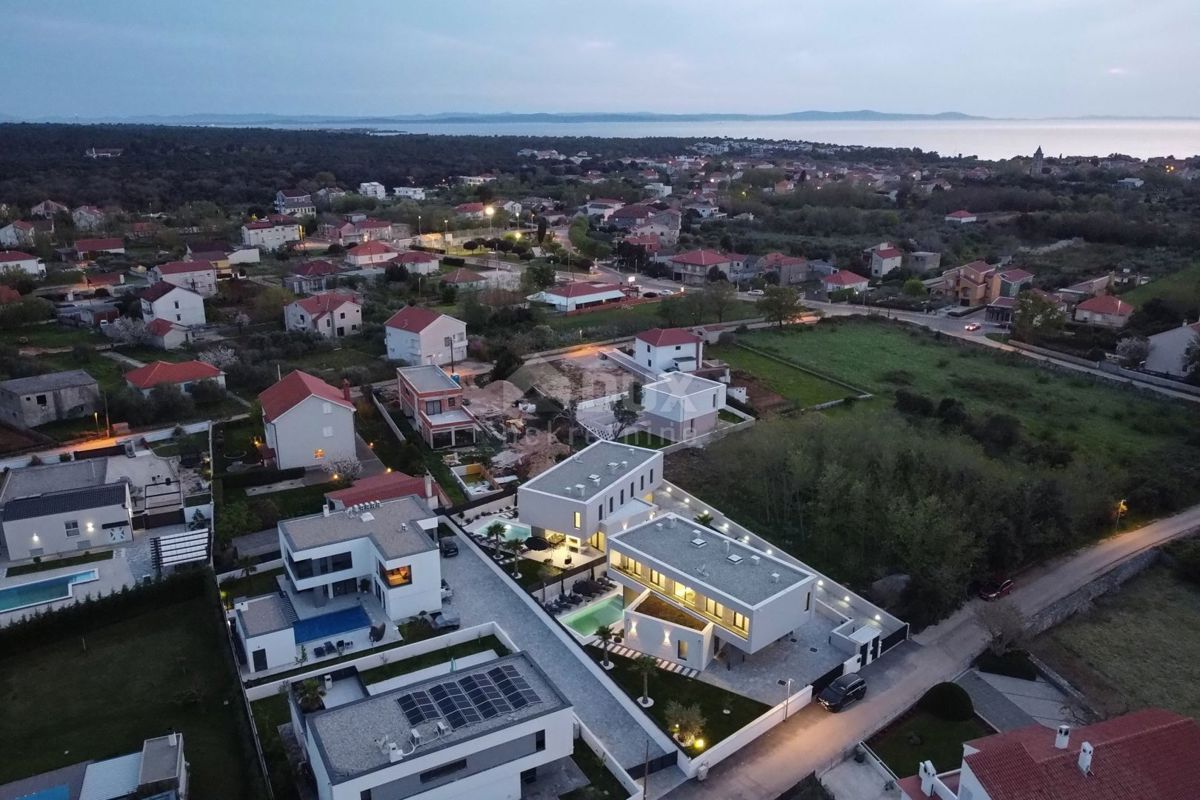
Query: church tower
point(1035, 169)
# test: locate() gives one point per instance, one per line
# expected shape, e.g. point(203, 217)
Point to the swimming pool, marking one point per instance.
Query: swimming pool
point(585, 621)
point(329, 625)
point(513, 531)
point(37, 593)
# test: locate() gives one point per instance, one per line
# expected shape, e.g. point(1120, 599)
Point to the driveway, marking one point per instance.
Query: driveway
point(813, 740)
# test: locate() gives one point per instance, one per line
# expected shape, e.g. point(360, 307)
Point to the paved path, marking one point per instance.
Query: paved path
point(121, 358)
point(480, 595)
point(814, 740)
point(990, 703)
point(1038, 699)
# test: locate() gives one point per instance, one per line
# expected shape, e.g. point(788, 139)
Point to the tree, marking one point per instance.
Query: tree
point(605, 634)
point(222, 356)
point(538, 276)
point(1132, 350)
point(1191, 359)
point(1004, 624)
point(645, 666)
point(513, 548)
point(345, 470)
point(545, 572)
point(715, 274)
point(779, 304)
point(127, 330)
point(1035, 316)
point(635, 392)
point(686, 722)
point(507, 362)
point(625, 415)
point(247, 566)
point(309, 694)
point(235, 520)
point(168, 402)
point(207, 392)
point(496, 532)
point(541, 229)
point(269, 303)
point(914, 288)
point(719, 298)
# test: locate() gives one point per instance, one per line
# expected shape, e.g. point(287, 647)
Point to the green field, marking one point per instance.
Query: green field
point(631, 319)
point(1181, 289)
point(800, 387)
point(50, 335)
point(880, 357)
point(64, 703)
point(1128, 651)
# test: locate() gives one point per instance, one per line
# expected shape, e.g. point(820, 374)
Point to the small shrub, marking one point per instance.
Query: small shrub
point(948, 701)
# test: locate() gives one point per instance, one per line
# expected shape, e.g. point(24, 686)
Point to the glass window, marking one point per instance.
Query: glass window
point(539, 741)
point(578, 520)
point(398, 576)
point(327, 432)
point(326, 408)
point(41, 399)
point(656, 577)
point(319, 453)
point(713, 608)
point(72, 527)
point(680, 590)
point(740, 621)
point(636, 567)
point(445, 770)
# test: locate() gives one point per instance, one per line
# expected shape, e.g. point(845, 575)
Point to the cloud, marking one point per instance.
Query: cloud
point(1117, 71)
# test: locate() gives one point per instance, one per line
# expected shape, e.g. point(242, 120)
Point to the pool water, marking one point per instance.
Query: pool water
point(585, 621)
point(37, 593)
point(330, 625)
point(513, 531)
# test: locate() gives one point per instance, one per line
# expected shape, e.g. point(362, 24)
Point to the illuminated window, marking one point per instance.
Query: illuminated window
point(636, 567)
point(399, 576)
point(681, 591)
point(740, 621)
point(319, 453)
point(578, 520)
point(713, 608)
point(656, 577)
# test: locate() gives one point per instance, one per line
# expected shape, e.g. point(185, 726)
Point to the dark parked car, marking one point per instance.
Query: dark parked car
point(995, 589)
point(449, 547)
point(842, 692)
point(444, 621)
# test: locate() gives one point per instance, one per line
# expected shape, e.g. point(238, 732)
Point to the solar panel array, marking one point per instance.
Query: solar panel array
point(471, 699)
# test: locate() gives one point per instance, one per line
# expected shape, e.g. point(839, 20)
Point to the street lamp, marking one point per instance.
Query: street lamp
point(418, 224)
point(787, 696)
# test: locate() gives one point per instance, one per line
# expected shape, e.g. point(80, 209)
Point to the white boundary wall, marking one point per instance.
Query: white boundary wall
point(610, 763)
point(692, 767)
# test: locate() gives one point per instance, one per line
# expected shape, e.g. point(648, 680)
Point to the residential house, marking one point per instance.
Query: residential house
point(48, 209)
point(692, 267)
point(15, 259)
point(307, 422)
point(87, 218)
point(961, 217)
point(183, 374)
point(474, 180)
point(658, 189)
point(668, 350)
point(356, 229)
point(408, 192)
point(18, 234)
point(1009, 282)
point(1091, 287)
point(386, 486)
point(464, 280)
point(90, 248)
point(434, 402)
point(166, 335)
point(94, 315)
point(369, 254)
point(167, 301)
point(146, 229)
point(195, 276)
point(884, 259)
point(418, 335)
point(1000, 311)
point(471, 210)
point(579, 295)
point(311, 277)
point(326, 196)
point(272, 233)
point(63, 508)
point(680, 406)
point(418, 262)
point(294, 202)
point(602, 207)
point(792, 270)
point(1130, 183)
point(663, 225)
point(1167, 350)
point(373, 189)
point(330, 314)
point(591, 493)
point(631, 216)
point(479, 731)
point(969, 284)
point(39, 399)
point(103, 152)
point(703, 209)
point(159, 770)
point(843, 280)
point(1152, 754)
point(1105, 310)
point(923, 262)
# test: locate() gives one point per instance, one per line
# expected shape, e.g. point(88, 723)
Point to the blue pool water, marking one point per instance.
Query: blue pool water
point(512, 530)
point(586, 620)
point(36, 593)
point(330, 625)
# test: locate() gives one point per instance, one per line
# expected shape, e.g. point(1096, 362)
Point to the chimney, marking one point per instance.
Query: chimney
point(1085, 758)
point(346, 389)
point(428, 486)
point(928, 775)
point(172, 739)
point(1063, 740)
point(325, 509)
point(394, 754)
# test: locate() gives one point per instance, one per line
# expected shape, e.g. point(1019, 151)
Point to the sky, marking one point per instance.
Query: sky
point(1000, 58)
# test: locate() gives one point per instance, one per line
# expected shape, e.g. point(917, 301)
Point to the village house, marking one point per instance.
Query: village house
point(195, 276)
point(418, 262)
point(183, 374)
point(1167, 350)
point(307, 422)
point(464, 280)
point(87, 218)
point(970, 284)
point(884, 258)
point(408, 192)
point(579, 295)
point(272, 233)
point(844, 280)
point(90, 248)
point(372, 189)
point(792, 270)
point(330, 314)
point(692, 267)
point(471, 210)
point(1104, 310)
point(311, 277)
point(18, 234)
point(294, 202)
point(166, 335)
point(961, 217)
point(434, 402)
point(39, 399)
point(175, 304)
point(668, 349)
point(681, 406)
point(369, 254)
point(48, 209)
point(15, 259)
point(602, 207)
point(418, 335)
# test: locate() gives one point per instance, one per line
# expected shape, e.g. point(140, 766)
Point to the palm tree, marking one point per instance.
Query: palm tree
point(645, 666)
point(513, 548)
point(495, 532)
point(308, 694)
point(605, 634)
point(247, 565)
point(545, 572)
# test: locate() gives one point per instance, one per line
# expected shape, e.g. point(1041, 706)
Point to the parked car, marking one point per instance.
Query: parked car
point(971, 326)
point(666, 292)
point(842, 692)
point(755, 292)
point(994, 590)
point(444, 621)
point(449, 547)
point(649, 295)
point(447, 592)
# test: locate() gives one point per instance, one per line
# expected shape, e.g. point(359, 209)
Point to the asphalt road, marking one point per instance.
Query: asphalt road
point(814, 740)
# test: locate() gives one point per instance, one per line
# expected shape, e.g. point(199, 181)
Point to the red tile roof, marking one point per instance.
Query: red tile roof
point(844, 278)
point(315, 269)
point(373, 225)
point(581, 289)
point(9, 256)
point(413, 319)
point(160, 372)
point(94, 245)
point(295, 388)
point(388, 486)
point(648, 241)
point(469, 208)
point(462, 276)
point(1147, 754)
point(258, 226)
point(103, 278)
point(778, 259)
point(414, 257)
point(159, 289)
point(1106, 304)
point(369, 249)
point(960, 214)
point(889, 252)
point(663, 337)
point(320, 304)
point(1016, 275)
point(159, 327)
point(184, 267)
point(701, 258)
point(636, 211)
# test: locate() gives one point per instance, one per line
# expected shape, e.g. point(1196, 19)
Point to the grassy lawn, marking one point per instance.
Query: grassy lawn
point(431, 458)
point(238, 440)
point(269, 713)
point(108, 373)
point(289, 503)
point(645, 439)
point(396, 668)
point(104, 701)
point(49, 335)
point(148, 354)
point(73, 561)
point(531, 574)
point(1093, 415)
point(1119, 652)
point(1181, 289)
point(175, 445)
point(666, 686)
point(601, 782)
point(378, 434)
point(940, 742)
point(631, 319)
point(261, 582)
point(795, 385)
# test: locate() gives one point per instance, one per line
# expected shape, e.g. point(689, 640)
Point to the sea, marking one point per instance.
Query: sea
point(987, 139)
